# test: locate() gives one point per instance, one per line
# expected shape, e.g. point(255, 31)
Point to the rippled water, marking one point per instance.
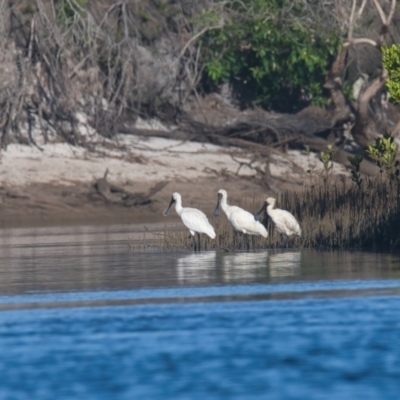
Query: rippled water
point(84, 317)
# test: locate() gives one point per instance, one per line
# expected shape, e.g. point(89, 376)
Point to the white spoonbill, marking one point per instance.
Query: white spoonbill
point(195, 220)
point(242, 221)
point(285, 222)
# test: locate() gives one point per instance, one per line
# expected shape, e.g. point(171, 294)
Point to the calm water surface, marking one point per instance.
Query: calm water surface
point(84, 317)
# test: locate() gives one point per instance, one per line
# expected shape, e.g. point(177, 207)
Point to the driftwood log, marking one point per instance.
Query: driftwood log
point(117, 195)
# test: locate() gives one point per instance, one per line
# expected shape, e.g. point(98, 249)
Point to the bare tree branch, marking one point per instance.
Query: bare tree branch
point(195, 37)
point(353, 41)
point(351, 21)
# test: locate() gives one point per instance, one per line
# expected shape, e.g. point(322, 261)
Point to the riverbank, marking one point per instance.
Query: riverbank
point(55, 185)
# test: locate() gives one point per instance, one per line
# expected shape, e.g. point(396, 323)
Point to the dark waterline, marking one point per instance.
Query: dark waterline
point(78, 320)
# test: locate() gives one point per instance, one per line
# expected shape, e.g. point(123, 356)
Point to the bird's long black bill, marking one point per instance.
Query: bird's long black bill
point(258, 215)
point(165, 213)
point(216, 212)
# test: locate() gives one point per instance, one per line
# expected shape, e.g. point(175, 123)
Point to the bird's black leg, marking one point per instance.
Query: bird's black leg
point(198, 241)
point(194, 242)
point(247, 242)
point(237, 234)
point(241, 241)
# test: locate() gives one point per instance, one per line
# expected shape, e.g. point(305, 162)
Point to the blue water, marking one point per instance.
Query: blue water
point(88, 319)
point(290, 349)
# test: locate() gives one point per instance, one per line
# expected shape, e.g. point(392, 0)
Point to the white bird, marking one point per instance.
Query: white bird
point(195, 220)
point(285, 222)
point(242, 221)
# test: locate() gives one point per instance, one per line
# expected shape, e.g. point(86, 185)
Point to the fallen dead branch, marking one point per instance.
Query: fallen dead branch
point(117, 195)
point(237, 135)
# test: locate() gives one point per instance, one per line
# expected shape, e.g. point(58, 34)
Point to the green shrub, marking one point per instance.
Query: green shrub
point(273, 48)
point(391, 61)
point(326, 159)
point(355, 163)
point(384, 151)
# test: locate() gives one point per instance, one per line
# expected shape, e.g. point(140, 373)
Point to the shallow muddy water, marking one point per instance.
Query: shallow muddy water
point(82, 316)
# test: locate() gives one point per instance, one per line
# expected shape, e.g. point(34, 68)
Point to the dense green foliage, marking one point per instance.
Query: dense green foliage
point(273, 49)
point(391, 61)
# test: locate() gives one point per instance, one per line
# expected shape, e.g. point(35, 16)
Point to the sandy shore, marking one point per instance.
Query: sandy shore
point(55, 184)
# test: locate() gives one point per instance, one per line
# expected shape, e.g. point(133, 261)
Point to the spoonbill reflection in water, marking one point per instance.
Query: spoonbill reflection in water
point(285, 222)
point(243, 222)
point(284, 265)
point(197, 268)
point(245, 267)
point(195, 220)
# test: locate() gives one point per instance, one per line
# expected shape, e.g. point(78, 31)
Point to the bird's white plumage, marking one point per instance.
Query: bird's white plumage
point(241, 220)
point(285, 222)
point(195, 220)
